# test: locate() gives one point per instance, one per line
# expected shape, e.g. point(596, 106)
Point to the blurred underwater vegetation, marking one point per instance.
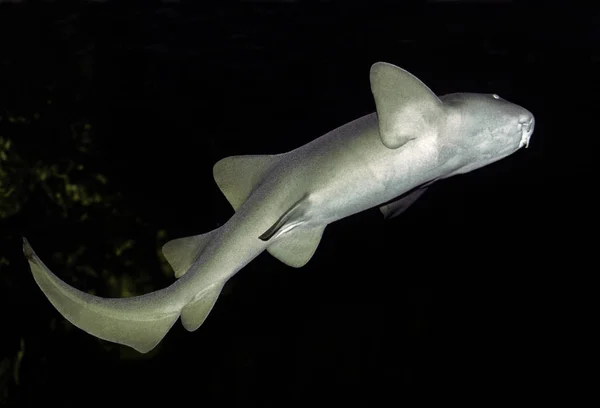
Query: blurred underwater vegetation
point(71, 90)
point(41, 190)
point(43, 187)
point(52, 183)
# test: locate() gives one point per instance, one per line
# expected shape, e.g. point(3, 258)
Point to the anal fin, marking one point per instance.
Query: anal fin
point(194, 314)
point(238, 176)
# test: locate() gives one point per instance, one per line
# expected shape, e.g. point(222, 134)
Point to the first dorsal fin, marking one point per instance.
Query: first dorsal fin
point(406, 107)
point(238, 176)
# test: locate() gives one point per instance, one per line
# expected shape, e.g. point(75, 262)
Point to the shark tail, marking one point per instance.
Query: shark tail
point(139, 322)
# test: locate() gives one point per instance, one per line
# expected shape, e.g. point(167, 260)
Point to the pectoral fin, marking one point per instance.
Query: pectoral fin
point(397, 207)
point(406, 107)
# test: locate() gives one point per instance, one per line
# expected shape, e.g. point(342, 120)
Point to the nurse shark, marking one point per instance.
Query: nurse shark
point(283, 202)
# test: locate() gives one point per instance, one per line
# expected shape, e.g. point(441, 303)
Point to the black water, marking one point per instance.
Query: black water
point(133, 106)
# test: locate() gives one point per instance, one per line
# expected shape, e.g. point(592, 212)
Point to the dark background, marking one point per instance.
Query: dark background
point(111, 119)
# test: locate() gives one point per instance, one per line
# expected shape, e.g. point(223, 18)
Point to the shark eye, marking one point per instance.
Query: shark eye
point(495, 96)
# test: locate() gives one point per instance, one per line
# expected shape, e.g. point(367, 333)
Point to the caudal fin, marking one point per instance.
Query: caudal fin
point(139, 322)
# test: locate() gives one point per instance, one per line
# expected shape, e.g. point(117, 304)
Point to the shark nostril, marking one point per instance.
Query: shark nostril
point(527, 124)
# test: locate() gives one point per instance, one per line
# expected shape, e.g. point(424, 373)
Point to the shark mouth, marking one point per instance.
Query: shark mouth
point(526, 132)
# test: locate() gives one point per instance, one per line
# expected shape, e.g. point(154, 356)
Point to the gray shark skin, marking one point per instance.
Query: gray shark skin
point(284, 202)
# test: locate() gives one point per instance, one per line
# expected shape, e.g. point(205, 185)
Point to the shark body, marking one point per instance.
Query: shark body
point(284, 202)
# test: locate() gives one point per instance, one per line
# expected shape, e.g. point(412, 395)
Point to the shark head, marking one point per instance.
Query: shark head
point(484, 128)
point(479, 128)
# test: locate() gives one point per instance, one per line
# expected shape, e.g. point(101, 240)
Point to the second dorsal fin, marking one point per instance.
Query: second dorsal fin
point(181, 253)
